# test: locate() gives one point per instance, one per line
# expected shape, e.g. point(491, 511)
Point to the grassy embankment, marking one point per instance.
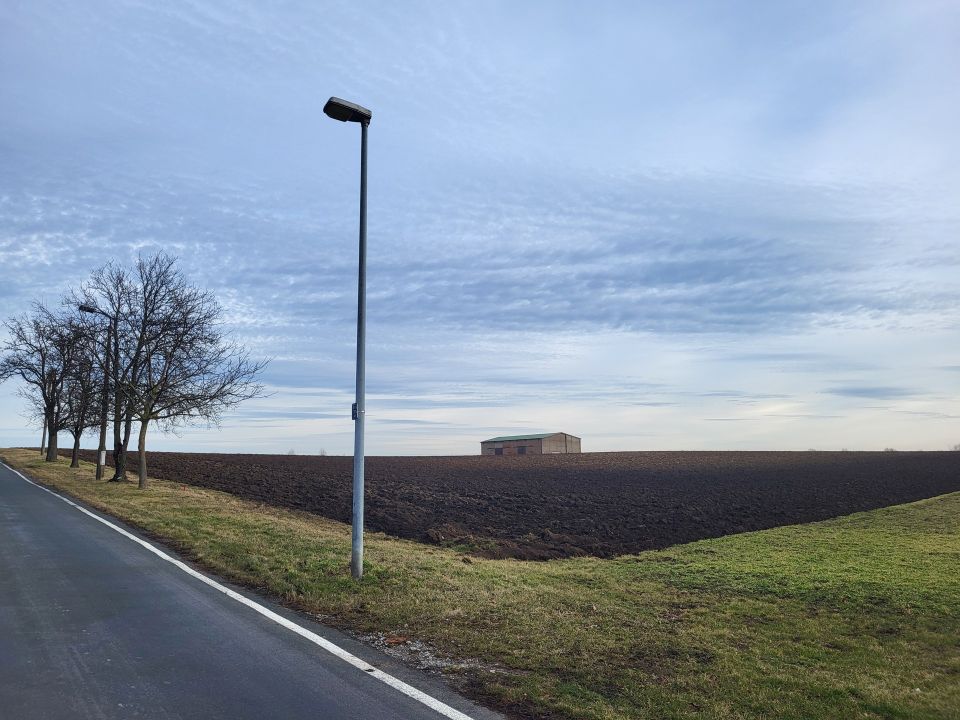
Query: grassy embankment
point(854, 617)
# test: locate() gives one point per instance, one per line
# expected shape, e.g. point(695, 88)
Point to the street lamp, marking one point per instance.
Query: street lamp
point(351, 112)
point(104, 402)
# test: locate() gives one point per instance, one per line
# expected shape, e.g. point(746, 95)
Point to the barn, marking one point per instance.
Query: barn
point(542, 444)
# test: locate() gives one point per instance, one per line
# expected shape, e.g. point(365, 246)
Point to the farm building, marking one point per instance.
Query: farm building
point(542, 444)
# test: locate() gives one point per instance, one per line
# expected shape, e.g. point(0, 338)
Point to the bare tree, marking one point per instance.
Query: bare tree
point(190, 371)
point(33, 412)
point(171, 363)
point(82, 389)
point(119, 295)
point(40, 350)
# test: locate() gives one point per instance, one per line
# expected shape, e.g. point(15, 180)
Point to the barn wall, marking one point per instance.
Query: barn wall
point(554, 444)
point(558, 443)
point(534, 447)
point(561, 443)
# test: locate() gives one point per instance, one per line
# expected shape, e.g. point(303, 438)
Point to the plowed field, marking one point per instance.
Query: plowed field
point(541, 507)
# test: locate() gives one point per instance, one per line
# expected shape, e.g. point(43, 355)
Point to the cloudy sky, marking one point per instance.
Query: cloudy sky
point(653, 225)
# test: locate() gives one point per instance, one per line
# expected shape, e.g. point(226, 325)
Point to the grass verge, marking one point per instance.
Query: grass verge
point(857, 617)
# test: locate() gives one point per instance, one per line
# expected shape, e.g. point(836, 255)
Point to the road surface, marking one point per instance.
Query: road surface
point(94, 625)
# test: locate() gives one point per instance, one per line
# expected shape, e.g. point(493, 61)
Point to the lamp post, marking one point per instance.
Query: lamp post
point(351, 112)
point(104, 400)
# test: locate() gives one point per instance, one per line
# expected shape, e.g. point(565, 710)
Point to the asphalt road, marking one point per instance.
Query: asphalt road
point(93, 625)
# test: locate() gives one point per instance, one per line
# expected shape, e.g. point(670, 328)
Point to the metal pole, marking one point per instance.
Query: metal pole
point(117, 404)
point(356, 559)
point(104, 406)
point(47, 391)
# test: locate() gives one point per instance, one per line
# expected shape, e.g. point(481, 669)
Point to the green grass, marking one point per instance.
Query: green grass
point(857, 617)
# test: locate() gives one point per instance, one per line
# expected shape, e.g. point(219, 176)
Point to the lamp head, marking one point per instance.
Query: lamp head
point(347, 111)
point(89, 309)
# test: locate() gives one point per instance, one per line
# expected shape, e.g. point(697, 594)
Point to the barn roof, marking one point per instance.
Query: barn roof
point(520, 437)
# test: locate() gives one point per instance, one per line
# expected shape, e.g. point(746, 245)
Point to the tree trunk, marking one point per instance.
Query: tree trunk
point(75, 453)
point(43, 439)
point(119, 464)
point(120, 453)
point(52, 447)
point(118, 459)
point(117, 450)
point(123, 450)
point(142, 448)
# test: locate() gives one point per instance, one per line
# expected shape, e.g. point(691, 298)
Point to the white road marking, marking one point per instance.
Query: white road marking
point(332, 648)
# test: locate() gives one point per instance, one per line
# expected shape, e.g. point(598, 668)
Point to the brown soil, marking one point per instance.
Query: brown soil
point(542, 507)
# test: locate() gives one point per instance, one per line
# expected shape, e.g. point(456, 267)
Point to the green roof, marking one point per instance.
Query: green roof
point(520, 437)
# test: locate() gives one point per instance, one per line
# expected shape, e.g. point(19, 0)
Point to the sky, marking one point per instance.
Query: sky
point(685, 225)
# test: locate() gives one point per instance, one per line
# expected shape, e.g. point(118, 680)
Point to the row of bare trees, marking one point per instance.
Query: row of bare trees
point(135, 345)
point(52, 353)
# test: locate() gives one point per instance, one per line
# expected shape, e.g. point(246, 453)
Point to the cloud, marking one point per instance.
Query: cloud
point(926, 414)
point(804, 416)
point(873, 393)
point(279, 414)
